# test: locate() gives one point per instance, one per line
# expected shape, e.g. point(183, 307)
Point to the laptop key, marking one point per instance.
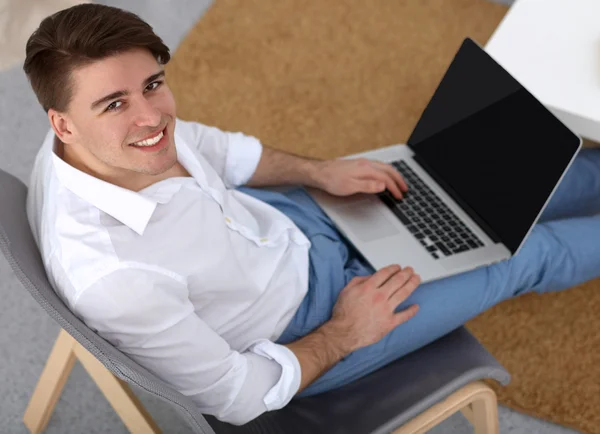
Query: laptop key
point(405, 220)
point(428, 218)
point(443, 248)
point(392, 206)
point(460, 249)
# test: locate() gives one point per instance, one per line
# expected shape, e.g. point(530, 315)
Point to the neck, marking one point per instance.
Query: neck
point(128, 181)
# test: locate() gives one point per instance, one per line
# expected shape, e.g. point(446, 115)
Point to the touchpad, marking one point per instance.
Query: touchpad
point(366, 221)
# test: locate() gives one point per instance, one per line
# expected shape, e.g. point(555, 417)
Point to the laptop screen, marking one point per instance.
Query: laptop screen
point(493, 146)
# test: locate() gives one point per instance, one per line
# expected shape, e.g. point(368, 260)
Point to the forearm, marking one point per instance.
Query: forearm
point(280, 168)
point(318, 351)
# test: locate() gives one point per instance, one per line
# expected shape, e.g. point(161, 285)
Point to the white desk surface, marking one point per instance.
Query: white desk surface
point(552, 47)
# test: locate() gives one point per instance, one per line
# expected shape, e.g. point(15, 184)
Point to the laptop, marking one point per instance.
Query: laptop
point(481, 165)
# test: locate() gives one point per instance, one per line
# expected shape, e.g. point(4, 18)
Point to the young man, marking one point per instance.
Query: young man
point(240, 298)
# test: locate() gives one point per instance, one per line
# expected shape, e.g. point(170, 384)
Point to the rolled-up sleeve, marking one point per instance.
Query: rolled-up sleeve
point(146, 313)
point(289, 380)
point(233, 155)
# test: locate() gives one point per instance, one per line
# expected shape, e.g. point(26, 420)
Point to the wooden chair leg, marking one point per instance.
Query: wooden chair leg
point(65, 352)
point(51, 383)
point(118, 393)
point(477, 402)
point(482, 412)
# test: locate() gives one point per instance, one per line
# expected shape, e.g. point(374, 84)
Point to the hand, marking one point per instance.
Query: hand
point(365, 310)
point(346, 177)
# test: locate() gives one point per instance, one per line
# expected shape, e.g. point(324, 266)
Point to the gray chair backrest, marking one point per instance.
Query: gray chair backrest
point(19, 247)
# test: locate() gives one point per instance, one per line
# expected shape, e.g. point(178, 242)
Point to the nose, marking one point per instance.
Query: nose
point(146, 114)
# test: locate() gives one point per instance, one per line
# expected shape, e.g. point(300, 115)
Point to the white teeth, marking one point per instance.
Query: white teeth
point(150, 142)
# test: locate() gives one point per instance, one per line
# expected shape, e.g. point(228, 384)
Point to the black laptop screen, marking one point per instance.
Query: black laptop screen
point(492, 145)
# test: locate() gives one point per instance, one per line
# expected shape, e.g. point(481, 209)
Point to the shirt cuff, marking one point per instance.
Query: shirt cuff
point(243, 155)
point(289, 382)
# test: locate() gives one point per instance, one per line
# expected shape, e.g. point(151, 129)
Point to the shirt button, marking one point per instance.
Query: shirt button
point(264, 240)
point(227, 219)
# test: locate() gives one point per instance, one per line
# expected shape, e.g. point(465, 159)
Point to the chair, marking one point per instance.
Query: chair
point(410, 395)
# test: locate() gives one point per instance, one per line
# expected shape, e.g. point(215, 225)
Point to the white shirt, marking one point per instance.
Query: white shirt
point(190, 278)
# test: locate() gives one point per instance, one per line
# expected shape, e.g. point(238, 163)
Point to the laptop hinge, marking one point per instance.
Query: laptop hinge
point(476, 218)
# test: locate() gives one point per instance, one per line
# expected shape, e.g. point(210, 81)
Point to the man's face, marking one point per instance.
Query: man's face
point(119, 101)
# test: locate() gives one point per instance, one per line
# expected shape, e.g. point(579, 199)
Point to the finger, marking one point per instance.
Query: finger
point(381, 276)
point(364, 166)
point(406, 314)
point(393, 172)
point(381, 175)
point(393, 187)
point(369, 186)
point(397, 281)
point(405, 291)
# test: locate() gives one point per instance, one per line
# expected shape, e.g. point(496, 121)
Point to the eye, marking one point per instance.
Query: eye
point(113, 106)
point(154, 85)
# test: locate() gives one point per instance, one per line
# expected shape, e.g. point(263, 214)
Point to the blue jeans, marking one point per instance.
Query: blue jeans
point(563, 250)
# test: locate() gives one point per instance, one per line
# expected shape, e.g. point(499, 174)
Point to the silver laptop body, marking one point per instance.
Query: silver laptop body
point(371, 222)
point(383, 239)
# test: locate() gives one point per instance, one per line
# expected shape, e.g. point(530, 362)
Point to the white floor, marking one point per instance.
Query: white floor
point(28, 333)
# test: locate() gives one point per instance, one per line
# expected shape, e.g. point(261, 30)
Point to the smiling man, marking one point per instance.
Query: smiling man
point(147, 238)
point(153, 232)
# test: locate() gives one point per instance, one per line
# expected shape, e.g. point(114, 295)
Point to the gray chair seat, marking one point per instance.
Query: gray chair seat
point(387, 398)
point(377, 403)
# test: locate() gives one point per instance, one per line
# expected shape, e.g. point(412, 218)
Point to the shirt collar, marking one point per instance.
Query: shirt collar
point(133, 209)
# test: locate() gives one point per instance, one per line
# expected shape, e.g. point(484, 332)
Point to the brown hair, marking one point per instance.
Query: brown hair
point(76, 37)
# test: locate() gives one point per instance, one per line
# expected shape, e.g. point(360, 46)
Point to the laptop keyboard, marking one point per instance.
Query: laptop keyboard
point(430, 221)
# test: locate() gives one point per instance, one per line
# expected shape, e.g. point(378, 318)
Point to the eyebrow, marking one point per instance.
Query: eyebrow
point(121, 93)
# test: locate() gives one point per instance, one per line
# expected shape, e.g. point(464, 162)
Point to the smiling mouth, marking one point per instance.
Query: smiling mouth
point(151, 141)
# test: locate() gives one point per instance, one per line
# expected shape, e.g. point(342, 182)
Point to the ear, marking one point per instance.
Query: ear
point(62, 126)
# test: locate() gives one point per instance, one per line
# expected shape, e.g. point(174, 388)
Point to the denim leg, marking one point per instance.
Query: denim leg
point(578, 194)
point(556, 256)
point(559, 253)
